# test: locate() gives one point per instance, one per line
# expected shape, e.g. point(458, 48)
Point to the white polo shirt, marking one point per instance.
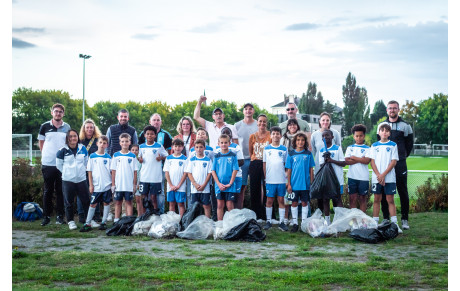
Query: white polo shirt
point(214, 132)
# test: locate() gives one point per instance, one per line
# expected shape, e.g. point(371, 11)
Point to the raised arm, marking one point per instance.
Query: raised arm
point(197, 112)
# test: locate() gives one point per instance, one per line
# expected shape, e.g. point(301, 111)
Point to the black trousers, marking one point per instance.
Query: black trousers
point(256, 182)
point(401, 185)
point(213, 201)
point(53, 183)
point(71, 190)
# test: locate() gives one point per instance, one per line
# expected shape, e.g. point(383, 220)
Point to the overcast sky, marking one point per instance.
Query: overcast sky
point(236, 50)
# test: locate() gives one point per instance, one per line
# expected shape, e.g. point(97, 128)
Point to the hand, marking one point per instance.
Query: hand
point(289, 188)
point(113, 189)
point(91, 189)
point(381, 179)
point(221, 186)
point(159, 158)
point(327, 160)
point(140, 159)
point(135, 188)
point(202, 99)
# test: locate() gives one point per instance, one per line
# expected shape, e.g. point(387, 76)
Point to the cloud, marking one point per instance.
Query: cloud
point(17, 43)
point(302, 26)
point(269, 10)
point(145, 36)
point(28, 29)
point(209, 28)
point(380, 18)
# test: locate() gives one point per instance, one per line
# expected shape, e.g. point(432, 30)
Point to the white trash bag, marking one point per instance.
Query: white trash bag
point(143, 227)
point(349, 219)
point(201, 228)
point(219, 230)
point(167, 227)
point(316, 225)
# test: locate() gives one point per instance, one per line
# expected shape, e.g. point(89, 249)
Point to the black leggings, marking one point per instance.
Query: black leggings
point(256, 183)
point(401, 185)
point(71, 189)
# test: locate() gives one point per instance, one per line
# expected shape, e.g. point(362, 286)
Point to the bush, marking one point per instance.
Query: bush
point(27, 182)
point(432, 195)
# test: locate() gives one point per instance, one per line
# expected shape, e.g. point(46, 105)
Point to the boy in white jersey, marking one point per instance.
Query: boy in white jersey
point(199, 170)
point(174, 169)
point(202, 134)
point(274, 159)
point(338, 162)
point(124, 176)
point(100, 180)
point(357, 156)
point(151, 155)
point(384, 155)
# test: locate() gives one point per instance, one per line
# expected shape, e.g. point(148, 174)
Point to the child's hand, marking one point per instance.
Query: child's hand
point(135, 188)
point(381, 179)
point(141, 160)
point(113, 189)
point(91, 189)
point(289, 188)
point(221, 186)
point(159, 158)
point(327, 160)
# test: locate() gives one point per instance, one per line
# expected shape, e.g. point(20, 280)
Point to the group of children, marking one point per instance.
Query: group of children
point(287, 173)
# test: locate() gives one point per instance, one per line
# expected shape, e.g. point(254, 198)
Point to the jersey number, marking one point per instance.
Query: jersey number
point(141, 188)
point(291, 195)
point(374, 187)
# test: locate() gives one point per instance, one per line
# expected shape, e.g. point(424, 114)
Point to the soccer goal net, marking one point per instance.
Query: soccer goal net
point(22, 146)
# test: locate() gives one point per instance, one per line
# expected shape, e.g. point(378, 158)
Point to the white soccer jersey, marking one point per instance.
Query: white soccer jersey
point(99, 166)
point(200, 168)
point(208, 152)
point(151, 171)
point(239, 155)
point(124, 165)
point(275, 159)
point(358, 171)
point(336, 154)
point(176, 168)
point(383, 153)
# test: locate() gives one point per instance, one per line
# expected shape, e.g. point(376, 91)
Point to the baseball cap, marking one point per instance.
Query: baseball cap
point(248, 104)
point(217, 109)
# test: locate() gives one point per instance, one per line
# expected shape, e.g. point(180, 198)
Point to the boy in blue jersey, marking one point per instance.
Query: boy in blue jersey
point(174, 169)
point(357, 156)
point(124, 176)
point(274, 159)
point(384, 155)
point(151, 155)
point(224, 170)
point(338, 162)
point(299, 165)
point(199, 170)
point(100, 180)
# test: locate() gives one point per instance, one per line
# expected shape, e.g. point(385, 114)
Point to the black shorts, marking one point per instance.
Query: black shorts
point(358, 186)
point(105, 197)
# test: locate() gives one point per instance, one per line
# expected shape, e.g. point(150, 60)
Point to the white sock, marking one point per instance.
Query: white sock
point(116, 220)
point(328, 219)
point(91, 211)
point(105, 213)
point(282, 212)
point(394, 219)
point(268, 211)
point(376, 219)
point(304, 212)
point(295, 214)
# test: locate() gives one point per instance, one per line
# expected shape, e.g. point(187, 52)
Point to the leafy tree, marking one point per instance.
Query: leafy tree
point(372, 134)
point(312, 101)
point(410, 112)
point(356, 108)
point(432, 125)
point(378, 112)
point(107, 112)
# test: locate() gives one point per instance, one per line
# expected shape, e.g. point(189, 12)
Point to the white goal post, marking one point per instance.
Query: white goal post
point(22, 146)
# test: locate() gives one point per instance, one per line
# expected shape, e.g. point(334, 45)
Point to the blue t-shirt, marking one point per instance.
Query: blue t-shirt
point(300, 164)
point(224, 165)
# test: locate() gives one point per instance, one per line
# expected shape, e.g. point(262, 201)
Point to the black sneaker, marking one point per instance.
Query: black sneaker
point(46, 220)
point(267, 226)
point(295, 228)
point(60, 220)
point(283, 227)
point(103, 226)
point(85, 228)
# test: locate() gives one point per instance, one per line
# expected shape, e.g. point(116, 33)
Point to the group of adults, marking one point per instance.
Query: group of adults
point(251, 134)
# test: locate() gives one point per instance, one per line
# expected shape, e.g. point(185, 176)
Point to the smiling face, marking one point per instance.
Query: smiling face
point(135, 150)
point(123, 118)
point(393, 110)
point(218, 117)
point(248, 111)
point(300, 143)
point(186, 126)
point(275, 136)
point(262, 123)
point(89, 129)
point(57, 113)
point(327, 135)
point(201, 134)
point(293, 128)
point(291, 110)
point(72, 139)
point(177, 149)
point(155, 121)
point(325, 122)
point(124, 143)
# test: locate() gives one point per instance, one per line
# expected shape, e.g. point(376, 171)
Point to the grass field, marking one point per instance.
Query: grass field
point(425, 163)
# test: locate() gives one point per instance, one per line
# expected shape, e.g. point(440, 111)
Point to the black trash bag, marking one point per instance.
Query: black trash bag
point(189, 216)
point(325, 185)
point(124, 226)
point(382, 233)
point(249, 231)
point(149, 211)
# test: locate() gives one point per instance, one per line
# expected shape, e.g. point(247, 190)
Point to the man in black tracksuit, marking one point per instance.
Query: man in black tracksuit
point(402, 135)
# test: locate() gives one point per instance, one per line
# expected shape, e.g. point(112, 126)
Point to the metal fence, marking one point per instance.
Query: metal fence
point(25, 153)
point(430, 150)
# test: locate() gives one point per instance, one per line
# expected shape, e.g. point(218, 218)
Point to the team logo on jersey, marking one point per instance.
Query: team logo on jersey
point(332, 155)
point(377, 149)
point(105, 162)
point(130, 160)
point(229, 160)
point(280, 154)
point(269, 153)
point(388, 149)
point(362, 150)
point(204, 165)
point(180, 164)
point(351, 150)
point(206, 153)
point(305, 158)
point(154, 152)
point(295, 159)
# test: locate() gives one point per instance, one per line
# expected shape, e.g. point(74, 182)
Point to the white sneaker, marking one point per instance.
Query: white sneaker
point(274, 221)
point(383, 222)
point(72, 225)
point(399, 229)
point(260, 221)
point(405, 224)
point(94, 224)
point(110, 217)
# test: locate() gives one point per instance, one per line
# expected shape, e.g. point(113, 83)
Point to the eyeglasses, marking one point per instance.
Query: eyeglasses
point(290, 109)
point(393, 108)
point(58, 111)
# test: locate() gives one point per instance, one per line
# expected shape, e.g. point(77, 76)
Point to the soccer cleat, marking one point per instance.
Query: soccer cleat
point(94, 224)
point(283, 227)
point(85, 228)
point(384, 222)
point(267, 226)
point(295, 228)
point(46, 220)
point(60, 220)
point(72, 225)
point(405, 224)
point(103, 226)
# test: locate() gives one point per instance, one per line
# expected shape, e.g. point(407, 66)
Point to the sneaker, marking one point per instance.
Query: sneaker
point(103, 226)
point(94, 224)
point(60, 220)
point(399, 229)
point(46, 220)
point(283, 227)
point(295, 228)
point(110, 217)
point(72, 225)
point(260, 221)
point(405, 224)
point(267, 226)
point(85, 228)
point(384, 222)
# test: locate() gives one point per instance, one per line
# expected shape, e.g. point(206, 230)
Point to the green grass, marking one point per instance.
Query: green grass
point(424, 163)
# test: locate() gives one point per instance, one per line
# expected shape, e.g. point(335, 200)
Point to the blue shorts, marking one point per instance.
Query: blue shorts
point(174, 196)
point(303, 194)
point(358, 186)
point(119, 195)
point(105, 197)
point(146, 188)
point(203, 198)
point(276, 190)
point(238, 184)
point(227, 196)
point(388, 189)
point(245, 171)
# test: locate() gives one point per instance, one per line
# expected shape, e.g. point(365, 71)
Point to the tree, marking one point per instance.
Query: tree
point(356, 108)
point(432, 124)
point(312, 101)
point(379, 111)
point(409, 112)
point(107, 112)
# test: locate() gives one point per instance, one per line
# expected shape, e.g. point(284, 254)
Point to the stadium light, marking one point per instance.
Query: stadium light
point(84, 57)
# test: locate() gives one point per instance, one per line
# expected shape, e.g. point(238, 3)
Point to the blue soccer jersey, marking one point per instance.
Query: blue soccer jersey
point(176, 168)
point(224, 165)
point(300, 164)
point(383, 153)
point(99, 166)
point(336, 154)
point(235, 148)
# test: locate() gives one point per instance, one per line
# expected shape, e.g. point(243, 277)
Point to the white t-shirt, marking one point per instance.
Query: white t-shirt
point(239, 155)
point(336, 154)
point(151, 171)
point(208, 152)
point(125, 165)
point(176, 168)
point(358, 171)
point(200, 168)
point(382, 154)
point(214, 132)
point(99, 166)
point(275, 159)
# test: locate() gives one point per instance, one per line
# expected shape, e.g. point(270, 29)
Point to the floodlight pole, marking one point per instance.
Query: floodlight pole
point(84, 57)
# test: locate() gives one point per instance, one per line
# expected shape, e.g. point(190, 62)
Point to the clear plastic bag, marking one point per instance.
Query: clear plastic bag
point(349, 219)
point(143, 227)
point(200, 228)
point(316, 225)
point(237, 217)
point(219, 230)
point(167, 227)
